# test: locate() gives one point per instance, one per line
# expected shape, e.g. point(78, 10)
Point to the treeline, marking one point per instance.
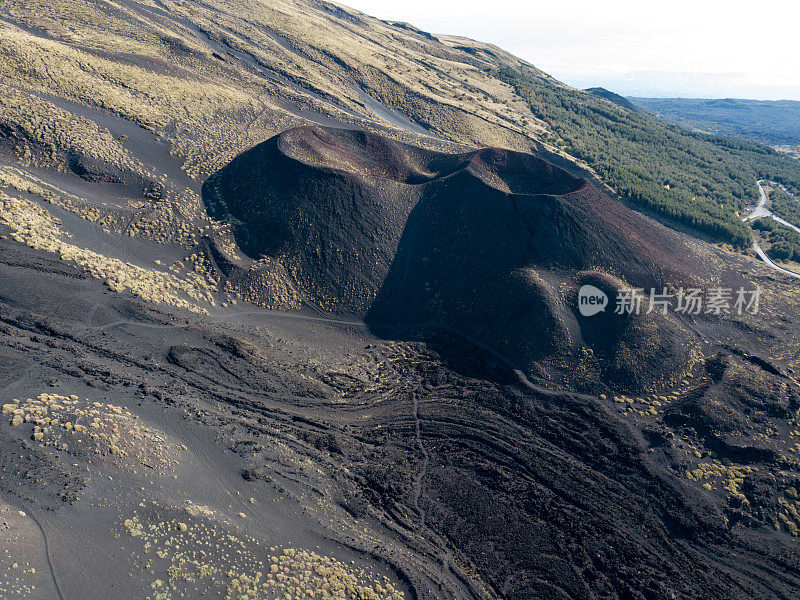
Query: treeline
point(696, 179)
point(785, 206)
point(784, 242)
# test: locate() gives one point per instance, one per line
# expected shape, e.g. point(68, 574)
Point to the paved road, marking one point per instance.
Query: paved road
point(762, 211)
point(767, 260)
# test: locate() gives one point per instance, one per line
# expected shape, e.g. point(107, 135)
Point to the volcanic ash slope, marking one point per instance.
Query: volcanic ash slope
point(492, 244)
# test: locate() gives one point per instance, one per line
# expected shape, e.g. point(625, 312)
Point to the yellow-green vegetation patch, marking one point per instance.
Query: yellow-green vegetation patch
point(136, 93)
point(17, 179)
point(195, 556)
point(92, 429)
point(730, 477)
point(654, 403)
point(166, 220)
point(46, 134)
point(789, 513)
point(33, 226)
point(15, 580)
point(88, 22)
point(208, 117)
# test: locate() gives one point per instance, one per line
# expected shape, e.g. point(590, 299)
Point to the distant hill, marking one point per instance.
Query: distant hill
point(697, 180)
point(612, 97)
point(774, 123)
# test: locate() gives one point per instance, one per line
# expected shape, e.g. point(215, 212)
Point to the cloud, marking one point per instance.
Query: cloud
point(744, 50)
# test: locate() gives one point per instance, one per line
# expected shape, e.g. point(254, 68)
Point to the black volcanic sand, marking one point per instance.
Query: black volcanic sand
point(177, 455)
point(492, 244)
point(419, 458)
point(431, 465)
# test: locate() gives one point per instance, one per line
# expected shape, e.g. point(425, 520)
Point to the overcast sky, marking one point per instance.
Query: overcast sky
point(689, 48)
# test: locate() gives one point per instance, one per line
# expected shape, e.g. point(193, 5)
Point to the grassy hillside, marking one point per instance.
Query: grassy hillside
point(784, 242)
point(786, 206)
point(210, 84)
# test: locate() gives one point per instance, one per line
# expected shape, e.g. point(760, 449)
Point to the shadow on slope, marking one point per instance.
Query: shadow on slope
point(491, 244)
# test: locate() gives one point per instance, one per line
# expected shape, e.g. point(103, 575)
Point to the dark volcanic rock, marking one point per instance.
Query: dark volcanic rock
point(491, 244)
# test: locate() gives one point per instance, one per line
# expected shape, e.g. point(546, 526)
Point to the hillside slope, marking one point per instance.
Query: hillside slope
point(212, 83)
point(288, 308)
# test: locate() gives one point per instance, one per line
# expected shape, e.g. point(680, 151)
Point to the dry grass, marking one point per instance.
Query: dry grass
point(33, 226)
point(729, 477)
point(199, 555)
point(303, 44)
point(91, 429)
point(44, 135)
point(136, 93)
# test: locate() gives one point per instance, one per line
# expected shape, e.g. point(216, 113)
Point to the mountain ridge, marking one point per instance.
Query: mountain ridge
point(289, 304)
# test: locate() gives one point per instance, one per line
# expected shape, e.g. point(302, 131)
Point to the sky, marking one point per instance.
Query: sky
point(699, 48)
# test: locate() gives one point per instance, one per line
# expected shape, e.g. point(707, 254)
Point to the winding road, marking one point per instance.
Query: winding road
point(761, 211)
point(763, 256)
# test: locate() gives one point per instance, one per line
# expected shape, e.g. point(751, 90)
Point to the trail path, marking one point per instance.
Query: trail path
point(424, 468)
point(45, 545)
